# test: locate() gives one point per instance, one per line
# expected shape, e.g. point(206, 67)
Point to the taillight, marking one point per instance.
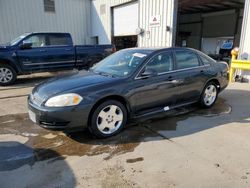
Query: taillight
point(114, 49)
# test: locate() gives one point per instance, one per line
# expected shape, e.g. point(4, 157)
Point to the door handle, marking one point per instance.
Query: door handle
point(170, 78)
point(68, 49)
point(202, 71)
point(42, 50)
point(175, 81)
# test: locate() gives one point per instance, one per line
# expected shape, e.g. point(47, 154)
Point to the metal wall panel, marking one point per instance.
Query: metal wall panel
point(152, 37)
point(245, 37)
point(20, 16)
point(158, 36)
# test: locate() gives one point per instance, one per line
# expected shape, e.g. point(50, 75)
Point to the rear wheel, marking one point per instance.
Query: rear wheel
point(108, 119)
point(7, 75)
point(209, 95)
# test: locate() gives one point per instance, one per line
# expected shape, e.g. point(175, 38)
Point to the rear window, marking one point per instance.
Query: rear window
point(186, 59)
point(206, 60)
point(58, 40)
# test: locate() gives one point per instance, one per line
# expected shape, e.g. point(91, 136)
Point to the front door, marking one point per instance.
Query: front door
point(31, 58)
point(158, 91)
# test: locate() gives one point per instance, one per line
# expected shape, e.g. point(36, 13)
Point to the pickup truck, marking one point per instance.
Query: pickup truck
point(46, 52)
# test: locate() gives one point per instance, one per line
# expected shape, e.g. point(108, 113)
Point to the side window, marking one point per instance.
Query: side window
point(36, 40)
point(205, 60)
point(58, 40)
point(161, 63)
point(186, 59)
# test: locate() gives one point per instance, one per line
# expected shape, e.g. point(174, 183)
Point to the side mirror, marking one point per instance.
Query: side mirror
point(26, 45)
point(147, 73)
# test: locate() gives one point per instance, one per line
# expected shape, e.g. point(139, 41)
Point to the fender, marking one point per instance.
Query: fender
point(216, 80)
point(12, 63)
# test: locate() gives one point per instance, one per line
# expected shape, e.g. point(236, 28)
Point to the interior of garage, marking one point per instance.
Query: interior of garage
point(212, 26)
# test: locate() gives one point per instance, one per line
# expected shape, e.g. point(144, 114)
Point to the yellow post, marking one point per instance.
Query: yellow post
point(234, 54)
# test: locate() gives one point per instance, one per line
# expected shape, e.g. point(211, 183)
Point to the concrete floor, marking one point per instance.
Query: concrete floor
point(191, 148)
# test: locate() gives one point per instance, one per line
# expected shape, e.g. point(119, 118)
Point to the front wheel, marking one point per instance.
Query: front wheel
point(108, 119)
point(7, 75)
point(209, 95)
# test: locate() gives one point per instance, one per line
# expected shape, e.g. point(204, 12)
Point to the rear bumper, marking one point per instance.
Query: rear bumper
point(63, 118)
point(224, 81)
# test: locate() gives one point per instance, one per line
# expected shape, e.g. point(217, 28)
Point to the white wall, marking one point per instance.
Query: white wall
point(20, 16)
point(245, 38)
point(159, 36)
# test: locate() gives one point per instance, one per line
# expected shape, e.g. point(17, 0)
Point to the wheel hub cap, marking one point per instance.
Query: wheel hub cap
point(210, 95)
point(109, 119)
point(5, 75)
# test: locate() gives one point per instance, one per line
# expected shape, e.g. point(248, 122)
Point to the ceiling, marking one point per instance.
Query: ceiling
point(205, 6)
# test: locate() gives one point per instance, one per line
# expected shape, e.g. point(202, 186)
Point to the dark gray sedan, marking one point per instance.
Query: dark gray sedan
point(128, 85)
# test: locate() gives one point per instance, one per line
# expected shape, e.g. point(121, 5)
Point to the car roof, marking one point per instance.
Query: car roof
point(47, 33)
point(155, 49)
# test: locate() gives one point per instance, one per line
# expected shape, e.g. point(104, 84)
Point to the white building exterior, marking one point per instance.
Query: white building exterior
point(21, 16)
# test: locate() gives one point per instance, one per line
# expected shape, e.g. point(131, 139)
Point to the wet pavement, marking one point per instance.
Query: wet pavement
point(42, 144)
point(190, 147)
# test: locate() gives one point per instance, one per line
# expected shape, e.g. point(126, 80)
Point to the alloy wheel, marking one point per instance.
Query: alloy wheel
point(6, 75)
point(210, 95)
point(109, 119)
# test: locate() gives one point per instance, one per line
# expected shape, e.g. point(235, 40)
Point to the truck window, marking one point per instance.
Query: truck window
point(59, 40)
point(36, 40)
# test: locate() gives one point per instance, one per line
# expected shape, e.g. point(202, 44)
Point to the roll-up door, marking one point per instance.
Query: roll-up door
point(125, 19)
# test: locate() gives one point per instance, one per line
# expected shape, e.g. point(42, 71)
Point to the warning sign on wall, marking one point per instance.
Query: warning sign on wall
point(155, 21)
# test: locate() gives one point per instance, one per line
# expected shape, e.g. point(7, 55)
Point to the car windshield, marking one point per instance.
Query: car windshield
point(122, 63)
point(18, 39)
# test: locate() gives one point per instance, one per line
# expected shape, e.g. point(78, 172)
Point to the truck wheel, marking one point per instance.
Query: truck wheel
point(7, 75)
point(209, 95)
point(108, 119)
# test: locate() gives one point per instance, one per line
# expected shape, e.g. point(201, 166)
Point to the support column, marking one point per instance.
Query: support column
point(245, 38)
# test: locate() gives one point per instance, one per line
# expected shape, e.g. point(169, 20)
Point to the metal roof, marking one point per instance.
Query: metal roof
point(205, 6)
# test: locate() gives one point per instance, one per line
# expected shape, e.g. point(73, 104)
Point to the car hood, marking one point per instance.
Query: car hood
point(4, 47)
point(70, 82)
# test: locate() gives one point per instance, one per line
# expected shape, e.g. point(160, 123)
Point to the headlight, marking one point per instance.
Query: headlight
point(70, 99)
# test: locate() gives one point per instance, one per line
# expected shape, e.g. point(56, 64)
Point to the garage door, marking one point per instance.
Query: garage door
point(125, 19)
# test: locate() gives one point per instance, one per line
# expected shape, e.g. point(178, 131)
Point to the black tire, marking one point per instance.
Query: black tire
point(93, 127)
point(12, 71)
point(205, 104)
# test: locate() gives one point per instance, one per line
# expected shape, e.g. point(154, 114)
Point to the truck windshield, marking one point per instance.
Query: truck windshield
point(18, 39)
point(122, 63)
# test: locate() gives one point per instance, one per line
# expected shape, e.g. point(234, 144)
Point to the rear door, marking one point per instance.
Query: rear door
point(191, 74)
point(60, 51)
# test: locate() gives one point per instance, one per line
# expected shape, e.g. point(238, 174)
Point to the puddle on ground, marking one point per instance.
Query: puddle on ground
point(170, 121)
point(134, 160)
point(43, 144)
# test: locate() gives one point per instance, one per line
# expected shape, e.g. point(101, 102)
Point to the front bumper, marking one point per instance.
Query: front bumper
point(63, 118)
